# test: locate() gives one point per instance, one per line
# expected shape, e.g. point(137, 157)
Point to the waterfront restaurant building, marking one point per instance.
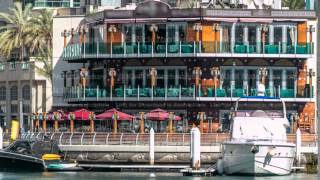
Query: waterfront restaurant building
point(187, 61)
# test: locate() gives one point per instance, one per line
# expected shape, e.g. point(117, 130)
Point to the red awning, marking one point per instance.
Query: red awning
point(160, 115)
point(109, 115)
point(255, 20)
point(82, 114)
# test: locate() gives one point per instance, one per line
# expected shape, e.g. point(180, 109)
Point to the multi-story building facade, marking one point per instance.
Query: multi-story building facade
point(188, 61)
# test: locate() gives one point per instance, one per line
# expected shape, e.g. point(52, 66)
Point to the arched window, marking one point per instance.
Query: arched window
point(26, 92)
point(2, 93)
point(14, 93)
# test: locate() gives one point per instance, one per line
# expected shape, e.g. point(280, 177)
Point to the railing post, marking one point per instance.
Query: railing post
point(81, 140)
point(111, 53)
point(52, 136)
point(125, 49)
point(97, 49)
point(97, 93)
point(78, 92)
point(94, 139)
point(70, 139)
point(137, 138)
point(60, 139)
point(152, 93)
point(151, 147)
point(167, 139)
point(152, 45)
point(279, 49)
point(107, 139)
point(194, 92)
point(84, 49)
point(166, 48)
point(138, 49)
point(121, 139)
point(194, 48)
point(200, 47)
point(183, 139)
point(110, 93)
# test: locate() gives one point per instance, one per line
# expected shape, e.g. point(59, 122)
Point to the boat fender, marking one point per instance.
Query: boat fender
point(254, 149)
point(220, 166)
point(272, 151)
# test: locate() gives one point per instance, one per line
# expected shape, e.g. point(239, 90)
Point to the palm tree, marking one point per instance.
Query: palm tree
point(39, 40)
point(13, 34)
point(294, 4)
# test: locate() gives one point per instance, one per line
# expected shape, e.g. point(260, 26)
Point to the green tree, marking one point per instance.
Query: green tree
point(14, 34)
point(39, 40)
point(294, 4)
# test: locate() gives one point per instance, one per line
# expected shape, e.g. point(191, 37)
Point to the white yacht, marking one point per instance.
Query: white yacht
point(258, 144)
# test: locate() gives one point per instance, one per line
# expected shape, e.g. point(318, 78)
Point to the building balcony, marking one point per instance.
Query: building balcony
point(55, 4)
point(187, 49)
point(76, 94)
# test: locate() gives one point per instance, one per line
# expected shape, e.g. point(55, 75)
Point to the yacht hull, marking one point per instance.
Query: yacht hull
point(254, 158)
point(18, 162)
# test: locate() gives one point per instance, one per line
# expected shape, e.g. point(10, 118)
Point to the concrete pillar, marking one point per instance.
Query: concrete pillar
point(258, 39)
point(176, 36)
point(284, 39)
point(233, 36)
point(195, 148)
point(1, 138)
point(284, 79)
point(257, 79)
point(245, 35)
point(232, 83)
point(166, 78)
point(271, 34)
point(176, 78)
point(133, 78)
point(144, 78)
point(271, 84)
point(298, 146)
point(151, 147)
point(245, 79)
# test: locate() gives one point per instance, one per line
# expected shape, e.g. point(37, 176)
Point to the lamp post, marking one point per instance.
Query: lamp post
point(197, 73)
point(115, 118)
point(263, 72)
point(170, 124)
point(142, 118)
point(153, 29)
point(215, 72)
point(71, 117)
point(264, 30)
point(153, 74)
point(112, 75)
point(56, 118)
point(201, 116)
point(197, 28)
point(310, 74)
point(112, 29)
point(216, 28)
point(92, 117)
point(310, 30)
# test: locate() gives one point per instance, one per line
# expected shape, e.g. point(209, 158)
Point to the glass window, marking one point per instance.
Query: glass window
point(277, 78)
point(291, 79)
point(239, 34)
point(139, 78)
point(2, 93)
point(171, 78)
point(14, 108)
point(182, 78)
point(14, 93)
point(290, 35)
point(277, 35)
point(252, 34)
point(140, 37)
point(226, 78)
point(226, 37)
point(128, 33)
point(182, 32)
point(26, 92)
point(171, 33)
point(252, 78)
point(26, 108)
point(238, 78)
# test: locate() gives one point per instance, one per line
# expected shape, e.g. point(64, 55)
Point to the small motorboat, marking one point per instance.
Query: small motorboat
point(26, 155)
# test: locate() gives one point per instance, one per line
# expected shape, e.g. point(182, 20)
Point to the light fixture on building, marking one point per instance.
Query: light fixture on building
point(197, 73)
point(197, 28)
point(112, 75)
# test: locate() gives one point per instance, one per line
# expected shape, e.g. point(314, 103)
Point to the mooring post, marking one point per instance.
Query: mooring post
point(298, 146)
point(1, 138)
point(195, 148)
point(151, 147)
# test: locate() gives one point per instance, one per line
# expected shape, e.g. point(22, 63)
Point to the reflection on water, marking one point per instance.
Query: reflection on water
point(135, 176)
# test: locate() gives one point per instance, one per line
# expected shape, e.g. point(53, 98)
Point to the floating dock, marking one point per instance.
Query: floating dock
point(134, 168)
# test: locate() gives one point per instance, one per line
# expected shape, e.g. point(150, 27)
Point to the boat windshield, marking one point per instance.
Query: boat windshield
point(259, 113)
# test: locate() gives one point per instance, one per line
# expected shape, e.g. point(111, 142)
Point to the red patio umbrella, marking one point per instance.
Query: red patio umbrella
point(82, 114)
point(108, 115)
point(160, 115)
